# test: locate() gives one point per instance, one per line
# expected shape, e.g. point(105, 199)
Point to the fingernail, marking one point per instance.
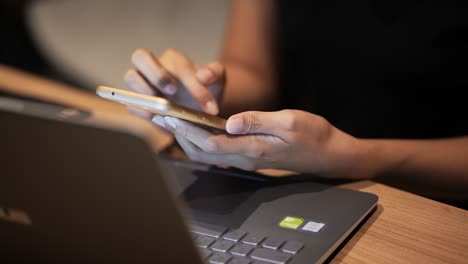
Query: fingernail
point(205, 76)
point(212, 108)
point(170, 121)
point(169, 89)
point(159, 121)
point(235, 125)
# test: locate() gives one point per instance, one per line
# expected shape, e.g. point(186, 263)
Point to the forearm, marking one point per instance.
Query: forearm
point(247, 89)
point(248, 53)
point(440, 166)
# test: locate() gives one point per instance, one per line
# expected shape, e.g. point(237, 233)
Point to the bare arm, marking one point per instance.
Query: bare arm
point(300, 141)
point(436, 168)
point(248, 56)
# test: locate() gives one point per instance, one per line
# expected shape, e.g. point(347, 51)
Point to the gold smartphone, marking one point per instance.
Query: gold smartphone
point(161, 106)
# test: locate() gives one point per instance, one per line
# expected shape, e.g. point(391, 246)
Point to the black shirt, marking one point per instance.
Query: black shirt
point(376, 68)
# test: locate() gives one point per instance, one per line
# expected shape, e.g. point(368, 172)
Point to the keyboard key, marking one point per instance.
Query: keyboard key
point(203, 241)
point(252, 239)
point(222, 245)
point(271, 256)
point(242, 249)
point(208, 230)
point(204, 253)
point(292, 247)
point(219, 258)
point(235, 235)
point(239, 260)
point(272, 243)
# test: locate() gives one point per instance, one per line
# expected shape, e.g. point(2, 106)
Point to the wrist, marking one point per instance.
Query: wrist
point(355, 158)
point(369, 158)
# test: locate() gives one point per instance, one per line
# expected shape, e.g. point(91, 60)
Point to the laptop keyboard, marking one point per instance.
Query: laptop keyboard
point(219, 245)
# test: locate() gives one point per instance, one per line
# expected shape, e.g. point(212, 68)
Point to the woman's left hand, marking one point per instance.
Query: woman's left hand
point(289, 140)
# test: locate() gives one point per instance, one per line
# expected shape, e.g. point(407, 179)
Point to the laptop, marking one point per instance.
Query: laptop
point(73, 190)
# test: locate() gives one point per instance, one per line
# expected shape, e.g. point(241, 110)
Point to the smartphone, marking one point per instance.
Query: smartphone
point(161, 106)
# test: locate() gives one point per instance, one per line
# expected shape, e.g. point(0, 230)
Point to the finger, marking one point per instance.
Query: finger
point(136, 82)
point(217, 67)
point(190, 149)
point(201, 94)
point(195, 153)
point(185, 71)
point(193, 133)
point(253, 122)
point(211, 73)
point(206, 76)
point(158, 120)
point(198, 155)
point(153, 71)
point(246, 145)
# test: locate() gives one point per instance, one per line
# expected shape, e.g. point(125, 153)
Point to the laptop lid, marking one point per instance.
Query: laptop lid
point(71, 192)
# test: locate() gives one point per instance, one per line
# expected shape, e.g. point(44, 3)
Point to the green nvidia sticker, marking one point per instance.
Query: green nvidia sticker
point(291, 222)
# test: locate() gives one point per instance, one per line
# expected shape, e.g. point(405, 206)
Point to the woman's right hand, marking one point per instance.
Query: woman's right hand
point(177, 78)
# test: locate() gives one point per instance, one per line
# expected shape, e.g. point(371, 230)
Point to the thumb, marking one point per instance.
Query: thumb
point(254, 122)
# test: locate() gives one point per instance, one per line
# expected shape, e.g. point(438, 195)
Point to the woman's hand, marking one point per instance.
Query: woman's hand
point(289, 139)
point(174, 76)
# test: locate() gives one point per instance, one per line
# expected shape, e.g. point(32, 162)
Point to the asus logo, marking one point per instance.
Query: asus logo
point(15, 216)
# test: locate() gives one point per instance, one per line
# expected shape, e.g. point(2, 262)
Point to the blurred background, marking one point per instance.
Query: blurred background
point(89, 42)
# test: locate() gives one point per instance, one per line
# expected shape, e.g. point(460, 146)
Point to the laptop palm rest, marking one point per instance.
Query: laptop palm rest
point(254, 203)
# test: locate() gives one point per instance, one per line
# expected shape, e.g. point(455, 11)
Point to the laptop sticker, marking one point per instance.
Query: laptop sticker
point(313, 226)
point(291, 222)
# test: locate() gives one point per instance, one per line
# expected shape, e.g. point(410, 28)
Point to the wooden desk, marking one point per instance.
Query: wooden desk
point(405, 228)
